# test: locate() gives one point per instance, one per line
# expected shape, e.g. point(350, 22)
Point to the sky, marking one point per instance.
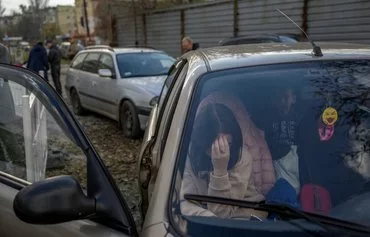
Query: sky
point(14, 4)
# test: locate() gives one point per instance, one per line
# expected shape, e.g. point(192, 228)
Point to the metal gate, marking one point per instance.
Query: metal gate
point(163, 31)
point(339, 20)
point(208, 23)
point(260, 17)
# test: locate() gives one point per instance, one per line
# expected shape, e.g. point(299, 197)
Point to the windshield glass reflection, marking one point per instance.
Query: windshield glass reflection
point(294, 134)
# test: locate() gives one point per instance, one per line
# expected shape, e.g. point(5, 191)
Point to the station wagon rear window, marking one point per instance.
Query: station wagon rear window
point(295, 135)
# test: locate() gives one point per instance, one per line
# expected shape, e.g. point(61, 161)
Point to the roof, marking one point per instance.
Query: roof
point(104, 48)
point(134, 50)
point(226, 57)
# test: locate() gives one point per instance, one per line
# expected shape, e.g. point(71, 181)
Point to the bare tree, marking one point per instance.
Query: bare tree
point(107, 11)
point(38, 4)
point(2, 8)
point(36, 8)
point(30, 24)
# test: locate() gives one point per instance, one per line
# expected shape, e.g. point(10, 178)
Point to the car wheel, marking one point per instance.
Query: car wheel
point(76, 103)
point(129, 120)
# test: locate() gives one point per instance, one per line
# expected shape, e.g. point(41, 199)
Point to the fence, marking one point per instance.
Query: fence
point(209, 23)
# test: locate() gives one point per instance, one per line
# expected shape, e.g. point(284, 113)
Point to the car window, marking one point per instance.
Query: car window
point(250, 41)
point(34, 142)
point(166, 62)
point(286, 39)
point(256, 41)
point(229, 42)
point(295, 134)
point(173, 72)
point(78, 61)
point(144, 64)
point(169, 106)
point(106, 62)
point(91, 63)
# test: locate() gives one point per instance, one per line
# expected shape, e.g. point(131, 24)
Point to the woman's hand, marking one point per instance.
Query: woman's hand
point(220, 155)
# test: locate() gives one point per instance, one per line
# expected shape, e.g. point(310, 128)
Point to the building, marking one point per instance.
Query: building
point(50, 15)
point(80, 16)
point(66, 19)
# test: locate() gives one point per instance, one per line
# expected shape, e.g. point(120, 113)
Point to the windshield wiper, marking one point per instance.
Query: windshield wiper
point(319, 220)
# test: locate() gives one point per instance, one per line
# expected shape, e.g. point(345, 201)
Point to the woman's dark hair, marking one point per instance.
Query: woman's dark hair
point(212, 120)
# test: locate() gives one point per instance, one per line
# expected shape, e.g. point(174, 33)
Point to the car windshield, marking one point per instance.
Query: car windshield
point(144, 64)
point(287, 39)
point(294, 134)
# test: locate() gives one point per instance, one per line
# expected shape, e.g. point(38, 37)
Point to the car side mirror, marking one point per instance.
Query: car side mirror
point(105, 73)
point(53, 201)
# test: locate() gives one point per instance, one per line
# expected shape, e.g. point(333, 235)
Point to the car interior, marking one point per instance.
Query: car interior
point(340, 164)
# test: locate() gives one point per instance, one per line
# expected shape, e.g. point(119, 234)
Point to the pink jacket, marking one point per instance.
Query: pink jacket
point(251, 178)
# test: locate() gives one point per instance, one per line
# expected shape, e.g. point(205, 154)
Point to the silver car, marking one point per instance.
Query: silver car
point(295, 130)
point(118, 83)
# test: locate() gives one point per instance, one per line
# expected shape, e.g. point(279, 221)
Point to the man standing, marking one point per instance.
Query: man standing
point(54, 59)
point(38, 60)
point(188, 45)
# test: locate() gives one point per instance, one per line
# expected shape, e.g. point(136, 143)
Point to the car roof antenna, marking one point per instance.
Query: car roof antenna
point(316, 49)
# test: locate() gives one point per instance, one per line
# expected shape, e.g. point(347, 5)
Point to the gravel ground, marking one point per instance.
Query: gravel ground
point(119, 154)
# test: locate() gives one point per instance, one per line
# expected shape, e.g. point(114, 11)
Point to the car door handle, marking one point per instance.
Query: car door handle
point(94, 83)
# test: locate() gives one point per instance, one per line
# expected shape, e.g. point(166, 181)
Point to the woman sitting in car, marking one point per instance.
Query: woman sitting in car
point(228, 157)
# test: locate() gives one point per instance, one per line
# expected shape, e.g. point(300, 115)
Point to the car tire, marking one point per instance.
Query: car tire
point(129, 120)
point(77, 108)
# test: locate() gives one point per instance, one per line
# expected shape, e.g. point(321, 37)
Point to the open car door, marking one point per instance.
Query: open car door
point(52, 181)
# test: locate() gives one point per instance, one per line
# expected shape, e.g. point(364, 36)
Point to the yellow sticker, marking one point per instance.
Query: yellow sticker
point(330, 116)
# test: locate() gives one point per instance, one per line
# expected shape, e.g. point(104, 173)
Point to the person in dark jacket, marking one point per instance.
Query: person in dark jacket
point(5, 55)
point(38, 59)
point(189, 45)
point(54, 58)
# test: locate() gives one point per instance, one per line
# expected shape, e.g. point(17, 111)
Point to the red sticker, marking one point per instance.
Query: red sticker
point(326, 132)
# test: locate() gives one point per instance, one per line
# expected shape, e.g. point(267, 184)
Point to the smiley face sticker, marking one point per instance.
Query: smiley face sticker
point(330, 116)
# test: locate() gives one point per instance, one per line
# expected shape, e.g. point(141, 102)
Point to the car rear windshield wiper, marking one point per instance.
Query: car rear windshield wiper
point(322, 221)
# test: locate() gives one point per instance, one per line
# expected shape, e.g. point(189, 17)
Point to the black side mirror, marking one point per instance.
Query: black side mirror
point(52, 201)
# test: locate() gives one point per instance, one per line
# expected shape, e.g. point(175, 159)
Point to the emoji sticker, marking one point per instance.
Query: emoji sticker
point(326, 132)
point(330, 116)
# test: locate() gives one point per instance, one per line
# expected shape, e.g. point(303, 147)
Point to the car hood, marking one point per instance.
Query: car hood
point(152, 85)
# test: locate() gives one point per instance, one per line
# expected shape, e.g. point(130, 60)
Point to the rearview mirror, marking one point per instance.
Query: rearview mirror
point(105, 73)
point(52, 201)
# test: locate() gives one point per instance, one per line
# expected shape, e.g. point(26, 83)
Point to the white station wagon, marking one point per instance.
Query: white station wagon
point(118, 83)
